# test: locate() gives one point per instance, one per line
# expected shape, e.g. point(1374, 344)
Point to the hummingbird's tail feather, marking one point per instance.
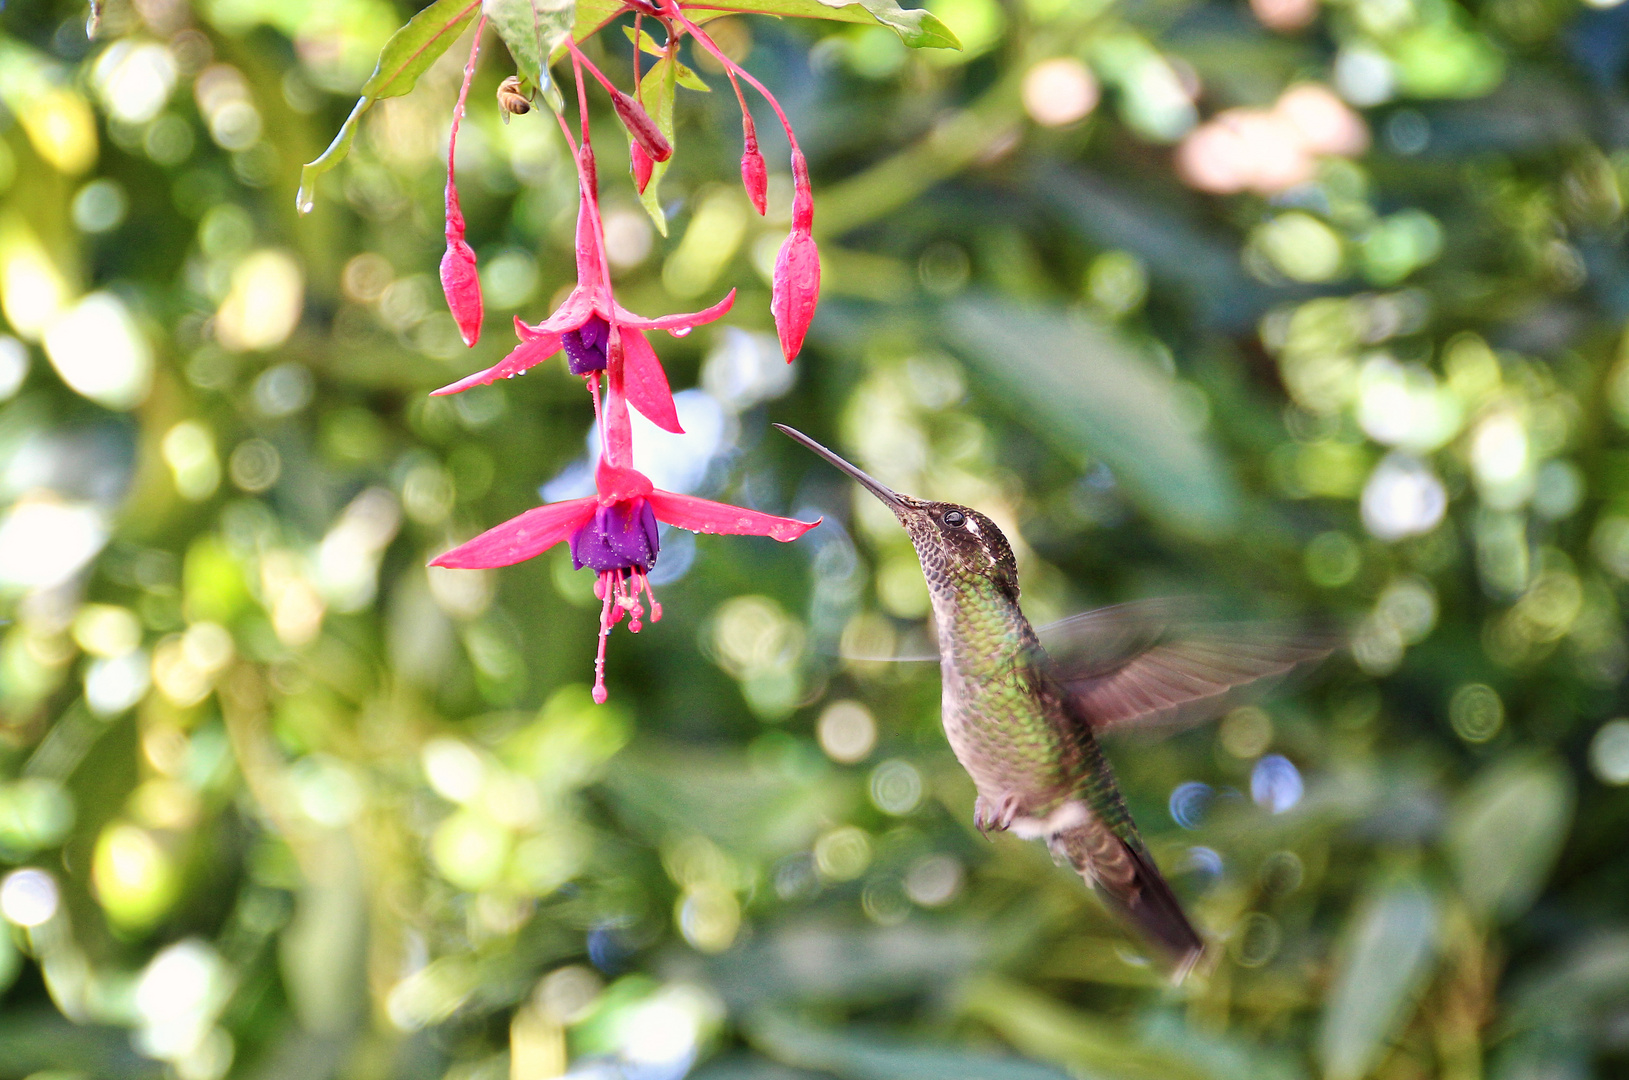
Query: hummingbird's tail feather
point(1129, 882)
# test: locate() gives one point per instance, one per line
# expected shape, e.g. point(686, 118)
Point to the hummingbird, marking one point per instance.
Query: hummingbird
point(1024, 718)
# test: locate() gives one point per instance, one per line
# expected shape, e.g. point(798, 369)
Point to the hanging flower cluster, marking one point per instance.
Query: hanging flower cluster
point(614, 532)
point(795, 287)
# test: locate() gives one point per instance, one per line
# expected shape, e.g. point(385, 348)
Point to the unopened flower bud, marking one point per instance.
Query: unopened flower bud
point(641, 126)
point(795, 288)
point(795, 291)
point(754, 174)
point(459, 279)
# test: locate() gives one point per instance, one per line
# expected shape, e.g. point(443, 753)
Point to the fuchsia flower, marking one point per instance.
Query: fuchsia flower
point(581, 327)
point(614, 532)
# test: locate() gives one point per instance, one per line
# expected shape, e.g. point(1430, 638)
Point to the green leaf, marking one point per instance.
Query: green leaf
point(868, 963)
point(1507, 831)
point(917, 28)
point(407, 55)
point(1385, 960)
point(656, 94)
point(647, 43)
point(686, 77)
point(592, 17)
point(847, 1053)
point(1044, 1028)
point(533, 30)
point(1084, 388)
point(689, 79)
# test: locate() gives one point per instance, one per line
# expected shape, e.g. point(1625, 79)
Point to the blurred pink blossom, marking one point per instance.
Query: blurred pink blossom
point(1284, 15)
point(1271, 150)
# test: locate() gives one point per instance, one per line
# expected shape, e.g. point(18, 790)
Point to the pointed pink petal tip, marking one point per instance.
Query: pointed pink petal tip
point(680, 324)
point(645, 383)
point(532, 351)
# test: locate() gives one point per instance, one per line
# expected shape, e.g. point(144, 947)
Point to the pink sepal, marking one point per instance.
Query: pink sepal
point(678, 324)
point(571, 314)
point(520, 538)
point(645, 383)
point(706, 516)
point(533, 349)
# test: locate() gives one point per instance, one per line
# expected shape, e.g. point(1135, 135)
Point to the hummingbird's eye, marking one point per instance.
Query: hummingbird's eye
point(955, 518)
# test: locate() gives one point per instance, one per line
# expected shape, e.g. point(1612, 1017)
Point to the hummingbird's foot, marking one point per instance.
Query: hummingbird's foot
point(998, 815)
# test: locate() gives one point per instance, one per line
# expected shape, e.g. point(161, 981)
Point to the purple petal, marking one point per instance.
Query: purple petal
point(621, 536)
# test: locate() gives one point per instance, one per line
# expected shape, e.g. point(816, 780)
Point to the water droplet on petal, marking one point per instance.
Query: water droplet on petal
point(681, 331)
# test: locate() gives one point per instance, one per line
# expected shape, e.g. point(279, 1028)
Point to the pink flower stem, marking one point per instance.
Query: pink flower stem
point(617, 431)
point(577, 57)
point(638, 28)
point(453, 213)
point(731, 67)
point(599, 418)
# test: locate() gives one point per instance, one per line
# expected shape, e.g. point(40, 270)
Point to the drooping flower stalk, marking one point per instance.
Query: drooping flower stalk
point(795, 285)
point(460, 280)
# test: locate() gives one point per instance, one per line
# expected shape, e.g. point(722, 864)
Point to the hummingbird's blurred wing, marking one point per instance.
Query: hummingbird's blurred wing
point(1156, 665)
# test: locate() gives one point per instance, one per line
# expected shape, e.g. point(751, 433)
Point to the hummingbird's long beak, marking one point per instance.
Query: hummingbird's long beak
point(892, 500)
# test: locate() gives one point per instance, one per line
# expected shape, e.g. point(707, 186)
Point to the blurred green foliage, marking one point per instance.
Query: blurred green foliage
point(1313, 308)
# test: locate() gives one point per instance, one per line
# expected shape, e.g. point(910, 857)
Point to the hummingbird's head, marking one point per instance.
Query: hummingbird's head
point(954, 542)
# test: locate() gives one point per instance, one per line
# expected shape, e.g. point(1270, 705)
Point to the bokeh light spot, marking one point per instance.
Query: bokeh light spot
point(1275, 783)
point(847, 731)
point(1609, 752)
point(29, 897)
point(1476, 712)
point(1059, 91)
point(896, 787)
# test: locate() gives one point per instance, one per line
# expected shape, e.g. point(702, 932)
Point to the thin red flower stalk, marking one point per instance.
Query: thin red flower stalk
point(616, 432)
point(795, 285)
point(459, 279)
